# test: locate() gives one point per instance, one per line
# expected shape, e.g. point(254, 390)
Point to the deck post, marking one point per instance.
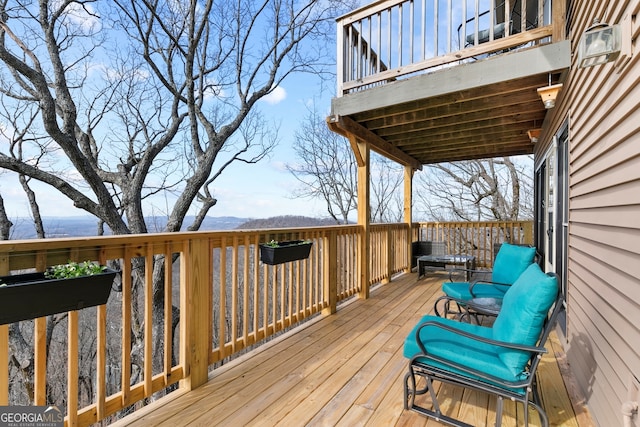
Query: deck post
point(195, 307)
point(364, 215)
point(340, 60)
point(390, 254)
point(330, 274)
point(408, 213)
point(558, 20)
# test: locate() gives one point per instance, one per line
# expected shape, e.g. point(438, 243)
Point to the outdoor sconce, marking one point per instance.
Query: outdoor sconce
point(534, 134)
point(549, 95)
point(599, 44)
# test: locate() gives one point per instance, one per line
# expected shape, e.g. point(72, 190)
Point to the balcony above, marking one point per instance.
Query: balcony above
point(457, 89)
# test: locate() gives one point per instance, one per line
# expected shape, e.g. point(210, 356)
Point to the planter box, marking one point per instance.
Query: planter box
point(29, 296)
point(285, 252)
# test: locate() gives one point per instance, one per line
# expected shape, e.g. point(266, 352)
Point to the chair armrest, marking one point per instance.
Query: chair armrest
point(485, 282)
point(488, 377)
point(507, 345)
point(464, 270)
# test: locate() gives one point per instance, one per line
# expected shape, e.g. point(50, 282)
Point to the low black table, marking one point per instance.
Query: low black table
point(441, 261)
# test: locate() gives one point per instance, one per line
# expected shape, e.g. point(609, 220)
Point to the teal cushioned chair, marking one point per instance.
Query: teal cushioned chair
point(510, 262)
point(501, 359)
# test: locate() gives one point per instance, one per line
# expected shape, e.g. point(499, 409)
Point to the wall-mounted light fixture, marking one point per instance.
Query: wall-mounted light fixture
point(534, 134)
point(549, 94)
point(599, 44)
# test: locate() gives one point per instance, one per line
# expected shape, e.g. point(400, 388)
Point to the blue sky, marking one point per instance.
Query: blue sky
point(265, 189)
point(259, 190)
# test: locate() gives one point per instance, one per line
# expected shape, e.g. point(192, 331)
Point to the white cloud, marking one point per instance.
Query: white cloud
point(213, 90)
point(276, 96)
point(82, 16)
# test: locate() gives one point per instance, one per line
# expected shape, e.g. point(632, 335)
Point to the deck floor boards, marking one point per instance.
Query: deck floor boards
point(346, 369)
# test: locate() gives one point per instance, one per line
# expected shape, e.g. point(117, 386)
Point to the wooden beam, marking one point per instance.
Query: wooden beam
point(435, 109)
point(475, 99)
point(333, 126)
point(507, 116)
point(347, 127)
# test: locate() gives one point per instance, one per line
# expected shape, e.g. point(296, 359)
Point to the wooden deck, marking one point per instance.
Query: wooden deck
point(346, 369)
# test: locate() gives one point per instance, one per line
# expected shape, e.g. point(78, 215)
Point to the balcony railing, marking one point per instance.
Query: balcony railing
point(167, 324)
point(387, 40)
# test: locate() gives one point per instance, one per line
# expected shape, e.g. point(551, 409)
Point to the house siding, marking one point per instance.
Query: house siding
point(603, 304)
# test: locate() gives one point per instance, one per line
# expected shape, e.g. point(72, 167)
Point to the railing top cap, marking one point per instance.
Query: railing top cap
point(370, 9)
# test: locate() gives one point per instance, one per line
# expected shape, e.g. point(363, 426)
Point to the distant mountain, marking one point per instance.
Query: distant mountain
point(83, 226)
point(286, 221)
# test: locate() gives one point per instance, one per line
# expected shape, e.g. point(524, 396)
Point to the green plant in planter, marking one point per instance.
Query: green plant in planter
point(275, 252)
point(61, 288)
point(73, 269)
point(275, 244)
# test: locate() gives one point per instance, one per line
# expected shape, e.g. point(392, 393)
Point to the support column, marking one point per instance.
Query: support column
point(364, 214)
point(408, 212)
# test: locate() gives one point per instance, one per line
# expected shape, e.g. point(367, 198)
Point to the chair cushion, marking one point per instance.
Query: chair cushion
point(456, 348)
point(511, 262)
point(460, 290)
point(525, 307)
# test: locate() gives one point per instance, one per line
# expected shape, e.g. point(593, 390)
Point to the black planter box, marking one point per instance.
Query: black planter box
point(29, 296)
point(285, 252)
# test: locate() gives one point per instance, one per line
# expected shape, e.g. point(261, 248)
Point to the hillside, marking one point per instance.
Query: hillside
point(286, 221)
point(84, 226)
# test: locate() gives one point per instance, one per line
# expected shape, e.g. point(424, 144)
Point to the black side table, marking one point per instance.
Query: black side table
point(477, 307)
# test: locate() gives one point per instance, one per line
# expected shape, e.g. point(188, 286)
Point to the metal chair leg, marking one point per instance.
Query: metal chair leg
point(499, 406)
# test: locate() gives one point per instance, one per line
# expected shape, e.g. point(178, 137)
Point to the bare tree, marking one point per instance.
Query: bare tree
point(179, 92)
point(327, 170)
point(476, 190)
point(123, 101)
point(387, 199)
point(5, 223)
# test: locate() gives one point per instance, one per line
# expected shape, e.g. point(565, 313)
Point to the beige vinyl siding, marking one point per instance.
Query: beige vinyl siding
point(601, 104)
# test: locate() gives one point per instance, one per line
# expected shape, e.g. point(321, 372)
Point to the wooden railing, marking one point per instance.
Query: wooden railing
point(167, 324)
point(388, 252)
point(388, 39)
point(476, 238)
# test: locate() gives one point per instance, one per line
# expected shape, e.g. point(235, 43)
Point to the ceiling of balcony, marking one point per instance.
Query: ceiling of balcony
point(481, 109)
